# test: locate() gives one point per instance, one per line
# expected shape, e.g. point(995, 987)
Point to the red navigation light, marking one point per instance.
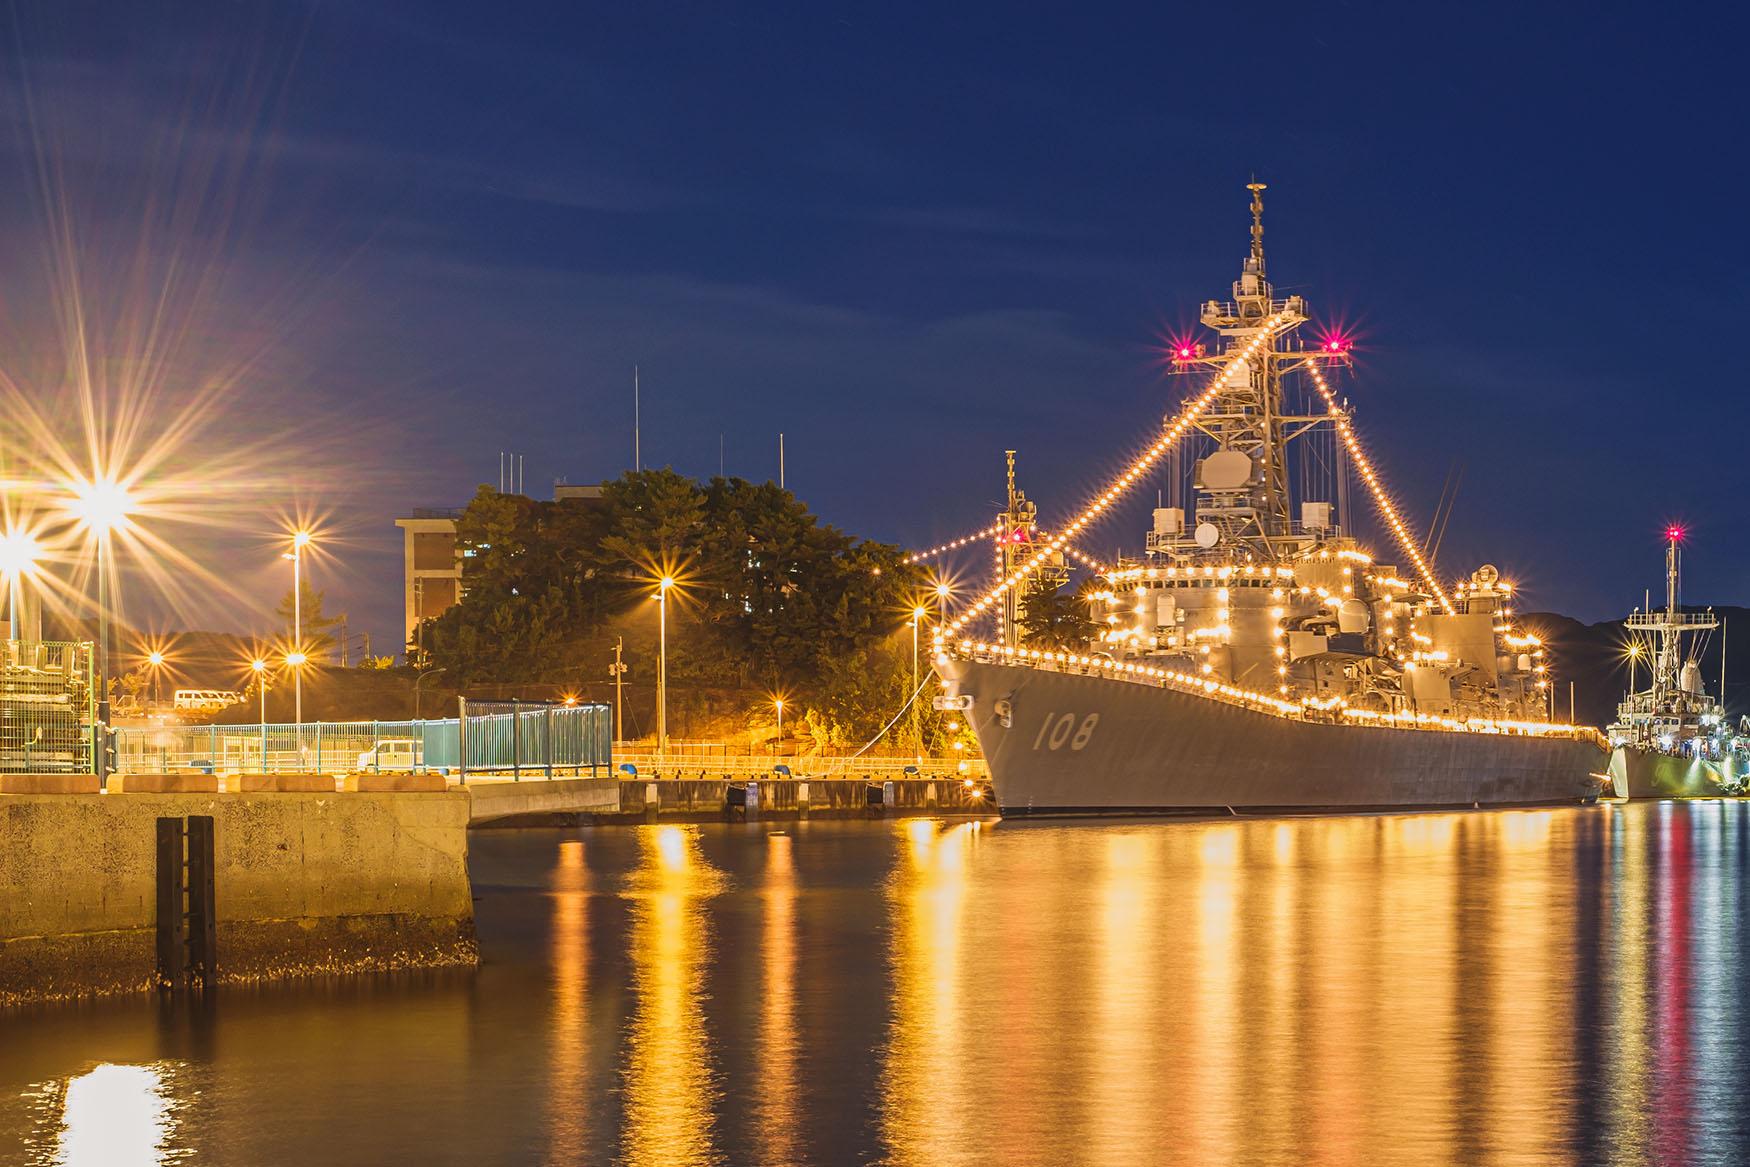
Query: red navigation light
point(1184, 352)
point(1674, 533)
point(1018, 537)
point(1337, 344)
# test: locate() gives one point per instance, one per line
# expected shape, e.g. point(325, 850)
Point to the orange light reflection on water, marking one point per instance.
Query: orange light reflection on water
point(670, 1080)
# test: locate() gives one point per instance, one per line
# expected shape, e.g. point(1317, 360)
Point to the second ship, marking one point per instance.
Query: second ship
point(1255, 658)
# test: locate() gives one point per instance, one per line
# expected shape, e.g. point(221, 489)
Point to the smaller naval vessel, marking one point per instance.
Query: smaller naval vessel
point(1671, 739)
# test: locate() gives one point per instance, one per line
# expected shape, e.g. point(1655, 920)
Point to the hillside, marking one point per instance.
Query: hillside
point(1591, 656)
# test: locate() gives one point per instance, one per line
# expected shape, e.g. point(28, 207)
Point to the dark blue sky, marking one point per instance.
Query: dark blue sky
point(912, 236)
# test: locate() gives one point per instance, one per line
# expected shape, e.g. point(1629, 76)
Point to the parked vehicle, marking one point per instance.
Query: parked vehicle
point(202, 700)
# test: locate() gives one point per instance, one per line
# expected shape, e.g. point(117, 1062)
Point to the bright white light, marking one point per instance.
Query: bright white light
point(667, 583)
point(258, 665)
point(20, 552)
point(117, 1116)
point(155, 658)
point(102, 506)
point(296, 659)
point(300, 539)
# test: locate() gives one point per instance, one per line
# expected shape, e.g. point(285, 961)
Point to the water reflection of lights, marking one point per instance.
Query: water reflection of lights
point(1127, 912)
point(928, 1101)
point(779, 1114)
point(671, 1086)
point(116, 1116)
point(568, 1042)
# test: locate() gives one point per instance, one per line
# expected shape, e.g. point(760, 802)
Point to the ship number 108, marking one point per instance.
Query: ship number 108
point(1058, 729)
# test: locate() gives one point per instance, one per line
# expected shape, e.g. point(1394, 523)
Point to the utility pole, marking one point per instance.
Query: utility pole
point(637, 454)
point(617, 670)
point(780, 460)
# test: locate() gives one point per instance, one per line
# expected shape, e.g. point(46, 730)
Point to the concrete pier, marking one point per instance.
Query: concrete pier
point(609, 800)
point(306, 884)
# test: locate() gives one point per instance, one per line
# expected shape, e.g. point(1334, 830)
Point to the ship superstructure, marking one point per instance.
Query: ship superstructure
point(1673, 739)
point(1252, 593)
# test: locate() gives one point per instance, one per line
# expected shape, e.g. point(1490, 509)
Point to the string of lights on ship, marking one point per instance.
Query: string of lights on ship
point(947, 637)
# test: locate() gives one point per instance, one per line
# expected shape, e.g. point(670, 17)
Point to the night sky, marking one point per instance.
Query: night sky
point(907, 236)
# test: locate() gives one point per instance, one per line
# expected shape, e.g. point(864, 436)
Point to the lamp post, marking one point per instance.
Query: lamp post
point(102, 506)
point(778, 704)
point(1634, 655)
point(417, 683)
point(259, 667)
point(300, 540)
point(156, 660)
point(943, 591)
point(662, 590)
point(20, 553)
point(917, 618)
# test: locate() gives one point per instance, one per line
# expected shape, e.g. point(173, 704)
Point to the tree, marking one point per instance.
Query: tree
point(1051, 619)
point(318, 641)
point(771, 597)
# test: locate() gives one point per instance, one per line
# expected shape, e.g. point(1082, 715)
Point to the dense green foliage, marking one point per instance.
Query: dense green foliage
point(1052, 619)
point(768, 599)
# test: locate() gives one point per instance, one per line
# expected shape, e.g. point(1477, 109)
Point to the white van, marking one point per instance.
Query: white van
point(392, 753)
point(198, 700)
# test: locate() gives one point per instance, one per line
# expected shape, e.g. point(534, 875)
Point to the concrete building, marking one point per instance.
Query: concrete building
point(431, 564)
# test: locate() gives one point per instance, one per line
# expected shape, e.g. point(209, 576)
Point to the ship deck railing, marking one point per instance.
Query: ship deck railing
point(1213, 689)
point(1657, 620)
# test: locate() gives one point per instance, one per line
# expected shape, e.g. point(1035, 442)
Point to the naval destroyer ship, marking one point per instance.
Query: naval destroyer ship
point(1255, 657)
point(1672, 740)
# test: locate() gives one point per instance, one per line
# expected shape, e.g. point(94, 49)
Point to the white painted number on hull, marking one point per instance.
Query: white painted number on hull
point(1057, 730)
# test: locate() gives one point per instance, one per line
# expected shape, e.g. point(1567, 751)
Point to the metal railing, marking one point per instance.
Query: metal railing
point(48, 705)
point(532, 740)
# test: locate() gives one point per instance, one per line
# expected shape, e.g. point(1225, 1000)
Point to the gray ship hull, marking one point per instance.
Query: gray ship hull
point(1638, 773)
point(1088, 745)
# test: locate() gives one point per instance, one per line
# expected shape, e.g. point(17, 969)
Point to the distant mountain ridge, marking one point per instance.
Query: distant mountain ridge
point(1591, 656)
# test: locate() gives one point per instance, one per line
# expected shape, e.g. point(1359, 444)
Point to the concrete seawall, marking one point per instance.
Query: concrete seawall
point(305, 884)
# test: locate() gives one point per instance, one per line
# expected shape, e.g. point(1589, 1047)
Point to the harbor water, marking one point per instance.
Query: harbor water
point(1555, 986)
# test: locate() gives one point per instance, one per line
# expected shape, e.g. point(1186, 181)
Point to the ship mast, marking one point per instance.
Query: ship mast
point(1244, 507)
point(1018, 543)
point(1669, 637)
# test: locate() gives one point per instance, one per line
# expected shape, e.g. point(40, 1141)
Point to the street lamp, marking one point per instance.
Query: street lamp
point(155, 658)
point(917, 618)
point(259, 667)
point(101, 506)
point(943, 591)
point(1634, 656)
point(778, 704)
point(21, 554)
point(418, 681)
point(300, 540)
point(662, 590)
